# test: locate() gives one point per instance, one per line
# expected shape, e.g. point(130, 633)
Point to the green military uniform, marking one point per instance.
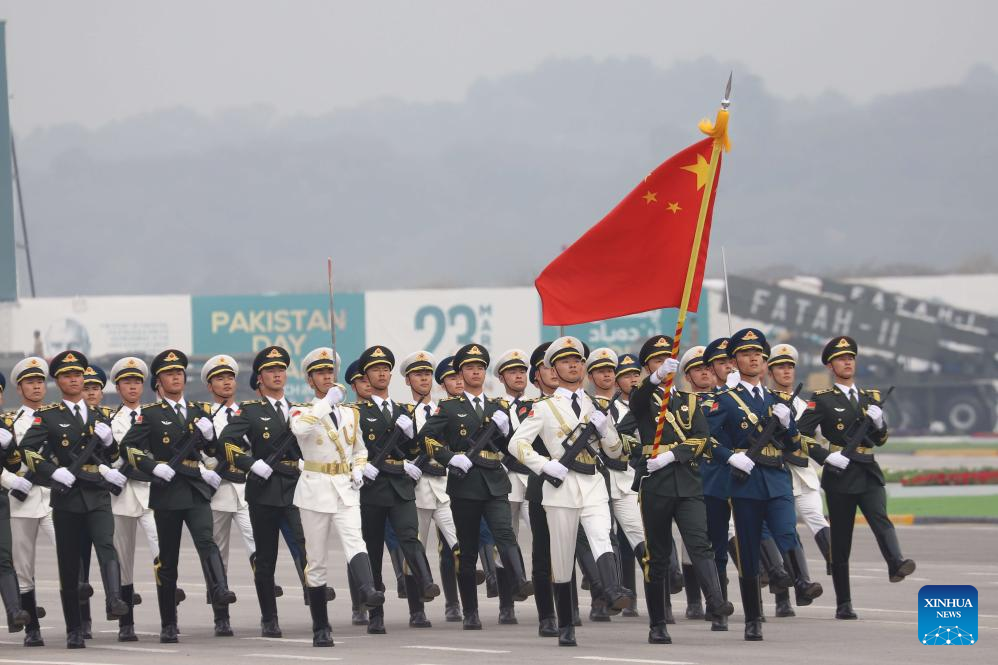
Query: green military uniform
point(17, 617)
point(158, 435)
point(265, 423)
point(390, 495)
point(860, 484)
point(483, 490)
point(673, 492)
point(83, 511)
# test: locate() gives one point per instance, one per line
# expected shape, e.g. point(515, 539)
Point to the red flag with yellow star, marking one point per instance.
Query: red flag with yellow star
point(636, 258)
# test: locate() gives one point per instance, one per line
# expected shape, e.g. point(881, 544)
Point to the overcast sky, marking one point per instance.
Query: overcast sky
point(96, 62)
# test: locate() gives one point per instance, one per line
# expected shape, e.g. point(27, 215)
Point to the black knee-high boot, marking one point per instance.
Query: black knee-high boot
point(563, 606)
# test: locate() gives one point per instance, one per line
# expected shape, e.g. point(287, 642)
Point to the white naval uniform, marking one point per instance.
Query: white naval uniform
point(581, 498)
point(518, 481)
point(623, 499)
point(807, 486)
point(432, 500)
point(131, 507)
point(29, 516)
point(325, 494)
point(228, 504)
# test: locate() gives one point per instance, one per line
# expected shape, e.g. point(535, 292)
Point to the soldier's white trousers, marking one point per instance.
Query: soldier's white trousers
point(628, 516)
point(124, 541)
point(563, 524)
point(317, 528)
point(443, 519)
point(810, 509)
point(24, 533)
point(221, 528)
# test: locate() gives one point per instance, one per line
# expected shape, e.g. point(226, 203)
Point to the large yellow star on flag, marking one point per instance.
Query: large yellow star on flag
point(701, 169)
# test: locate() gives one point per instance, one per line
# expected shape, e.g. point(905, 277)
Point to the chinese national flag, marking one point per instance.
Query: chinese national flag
point(636, 258)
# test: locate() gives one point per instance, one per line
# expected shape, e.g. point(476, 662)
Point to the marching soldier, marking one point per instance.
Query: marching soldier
point(807, 488)
point(131, 507)
point(17, 617)
point(478, 487)
point(389, 491)
point(701, 379)
point(432, 502)
point(511, 370)
point(628, 376)
point(81, 505)
point(859, 481)
point(271, 462)
point(327, 494)
point(33, 514)
point(601, 367)
point(362, 390)
point(164, 443)
point(582, 497)
point(668, 478)
point(546, 381)
point(764, 494)
point(228, 503)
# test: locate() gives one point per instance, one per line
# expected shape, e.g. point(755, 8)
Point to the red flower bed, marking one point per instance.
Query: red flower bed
point(985, 477)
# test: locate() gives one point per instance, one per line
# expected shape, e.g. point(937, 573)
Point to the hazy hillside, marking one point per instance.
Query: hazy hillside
point(485, 192)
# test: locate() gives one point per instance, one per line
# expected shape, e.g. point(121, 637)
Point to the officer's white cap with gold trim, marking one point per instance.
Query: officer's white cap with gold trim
point(218, 365)
point(692, 358)
point(28, 367)
point(417, 361)
point(321, 358)
point(601, 357)
point(509, 359)
point(563, 347)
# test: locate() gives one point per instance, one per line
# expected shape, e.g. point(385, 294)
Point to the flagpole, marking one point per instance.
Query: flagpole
point(727, 293)
point(719, 132)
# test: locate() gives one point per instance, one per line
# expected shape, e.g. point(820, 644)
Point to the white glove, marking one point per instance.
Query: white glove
point(371, 472)
point(665, 369)
point(334, 396)
point(782, 412)
point(112, 476)
point(502, 422)
point(5, 438)
point(741, 462)
point(206, 427)
point(212, 478)
point(405, 423)
point(357, 478)
point(663, 460)
point(460, 461)
point(733, 379)
point(876, 415)
point(555, 469)
point(599, 420)
point(164, 472)
point(412, 470)
point(103, 432)
point(63, 476)
point(837, 459)
point(19, 483)
point(262, 469)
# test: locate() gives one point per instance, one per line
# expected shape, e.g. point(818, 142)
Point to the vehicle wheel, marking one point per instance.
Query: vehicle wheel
point(966, 414)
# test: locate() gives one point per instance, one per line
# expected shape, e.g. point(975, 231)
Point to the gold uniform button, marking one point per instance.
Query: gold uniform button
point(266, 435)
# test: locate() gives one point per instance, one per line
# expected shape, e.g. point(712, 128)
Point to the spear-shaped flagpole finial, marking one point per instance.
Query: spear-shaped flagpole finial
point(726, 102)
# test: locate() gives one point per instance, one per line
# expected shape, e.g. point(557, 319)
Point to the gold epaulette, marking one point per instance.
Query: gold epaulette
point(448, 399)
point(823, 391)
point(872, 392)
point(48, 407)
point(150, 405)
point(541, 398)
point(783, 395)
point(250, 402)
point(498, 400)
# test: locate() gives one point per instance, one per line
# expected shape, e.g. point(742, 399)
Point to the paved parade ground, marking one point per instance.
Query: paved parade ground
point(885, 633)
